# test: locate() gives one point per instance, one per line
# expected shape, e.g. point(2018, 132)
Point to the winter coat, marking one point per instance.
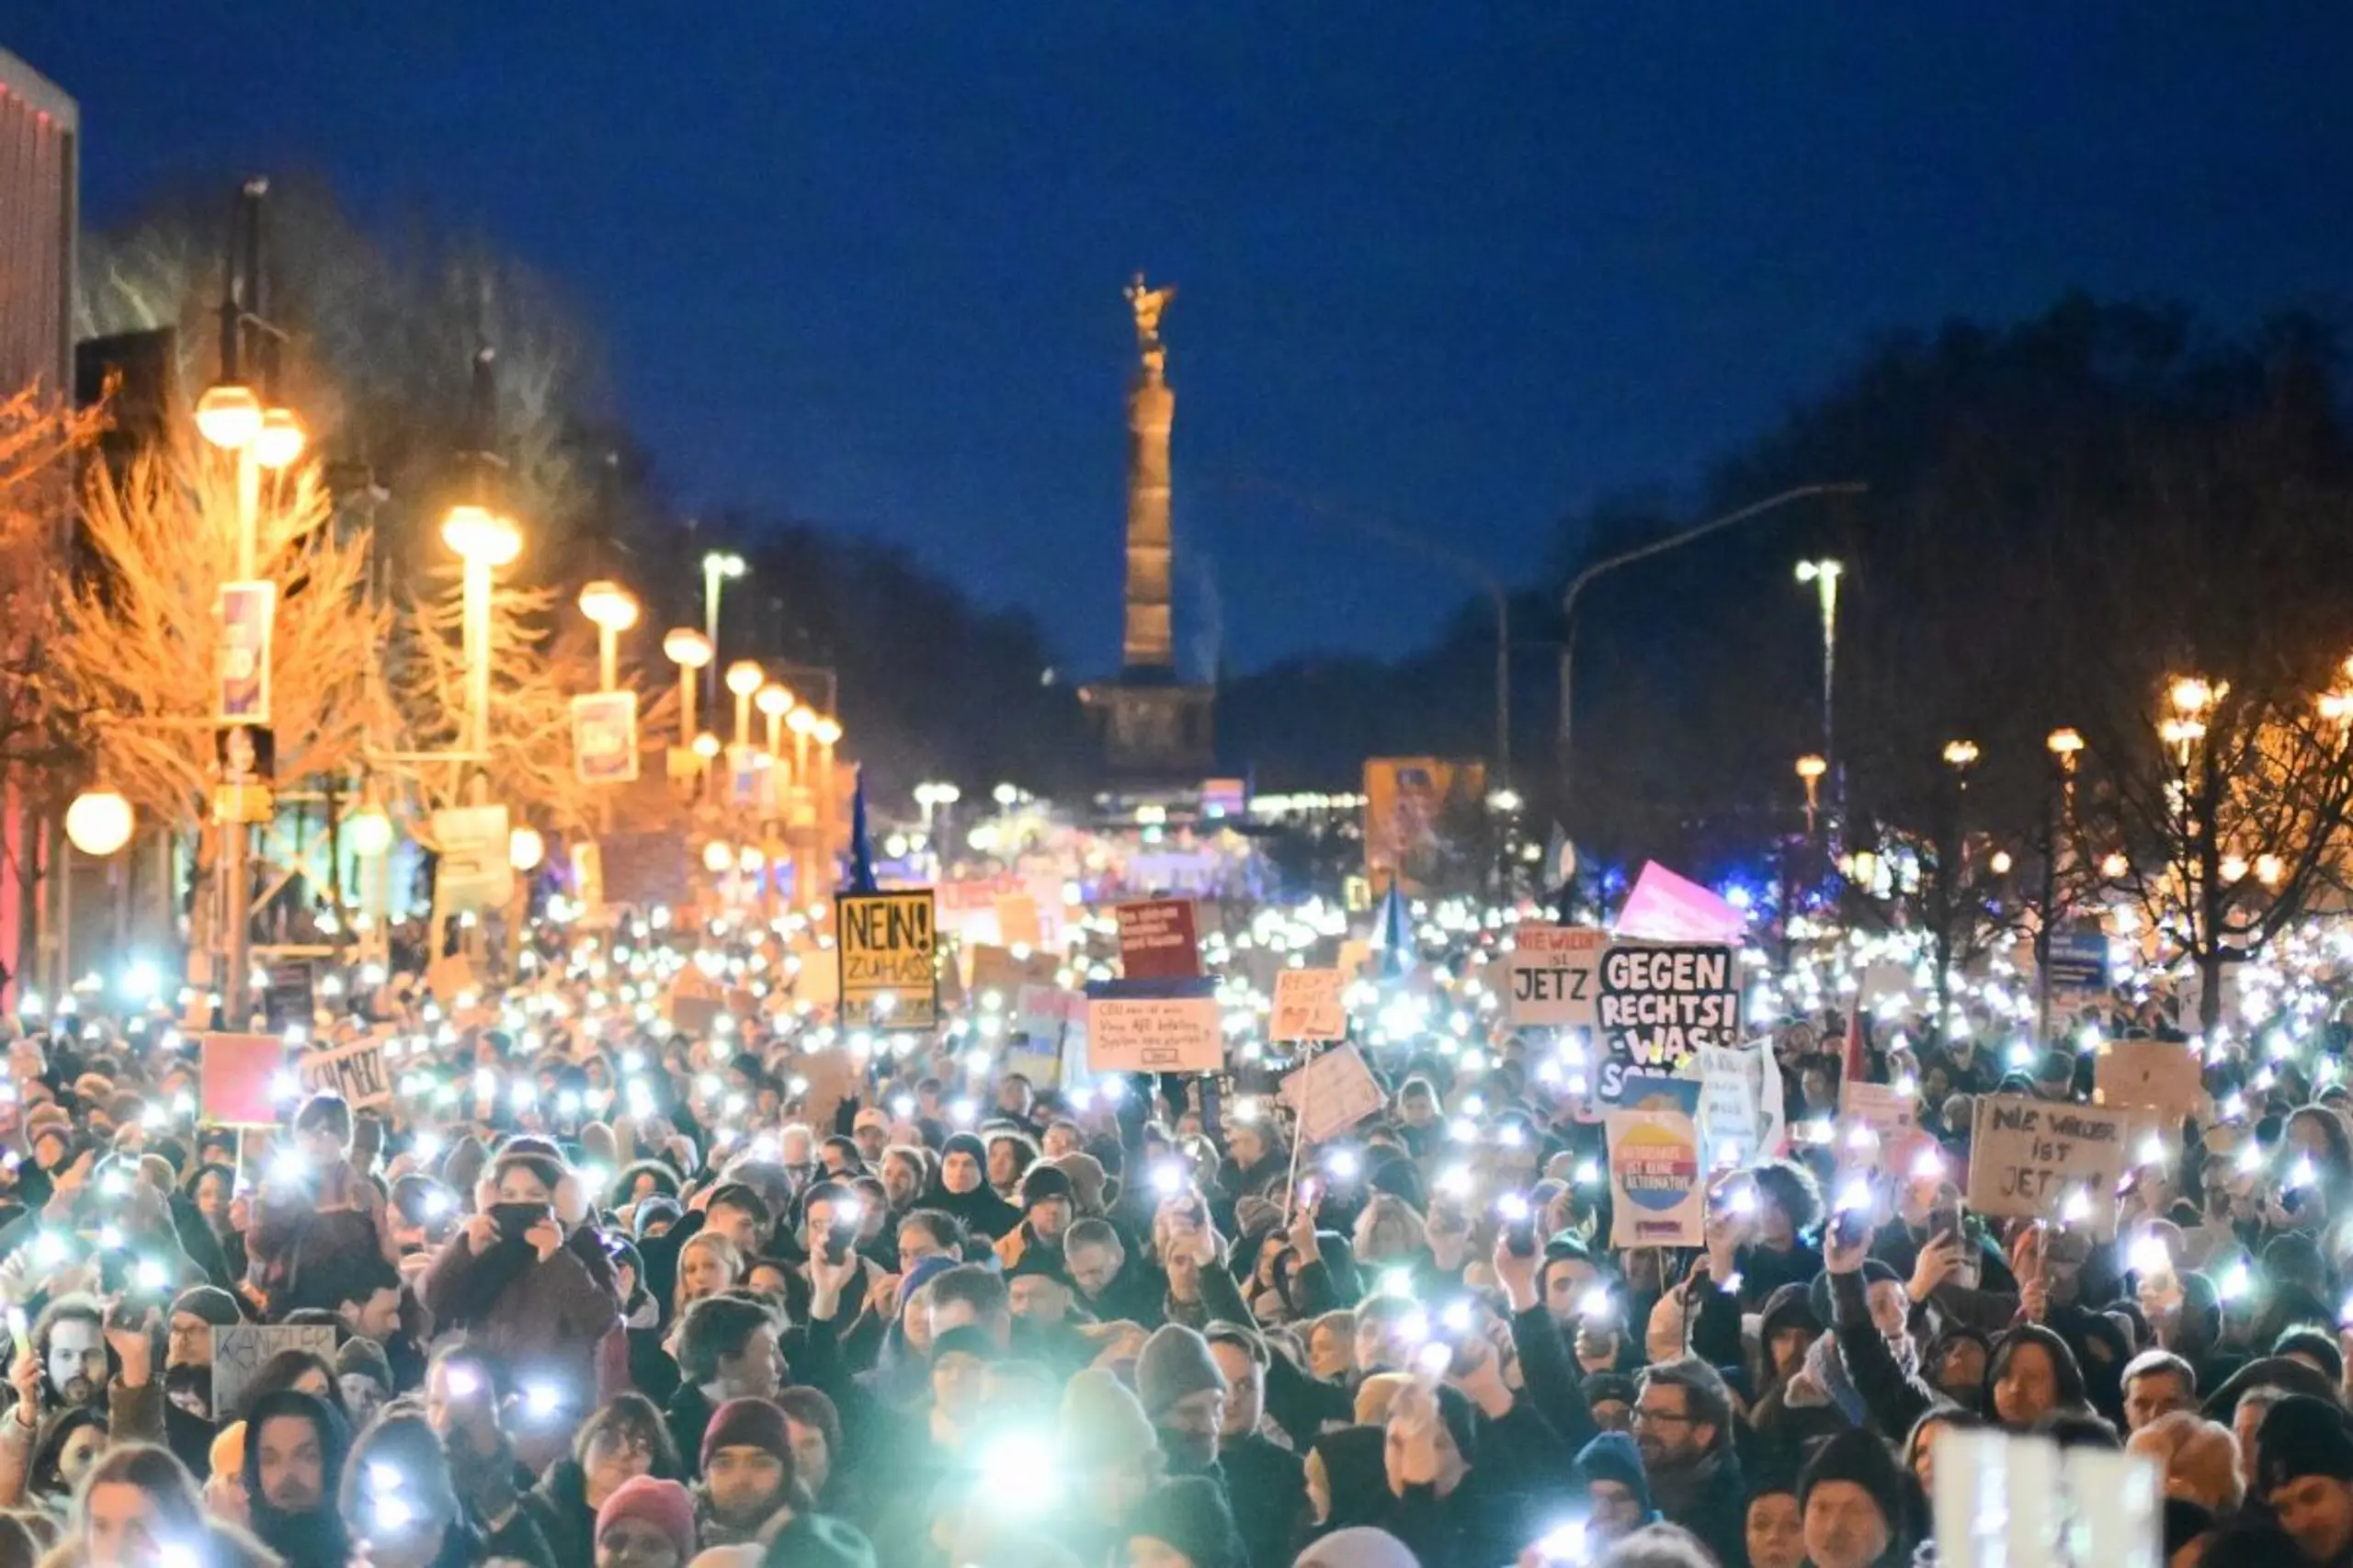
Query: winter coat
point(553, 1317)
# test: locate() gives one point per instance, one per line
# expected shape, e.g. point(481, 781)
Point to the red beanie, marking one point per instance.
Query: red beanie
point(664, 1504)
point(749, 1423)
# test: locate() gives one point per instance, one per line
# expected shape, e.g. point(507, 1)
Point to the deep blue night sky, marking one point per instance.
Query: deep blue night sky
point(1469, 266)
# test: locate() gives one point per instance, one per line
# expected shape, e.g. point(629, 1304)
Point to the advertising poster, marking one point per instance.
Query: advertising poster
point(1423, 819)
point(603, 737)
point(248, 616)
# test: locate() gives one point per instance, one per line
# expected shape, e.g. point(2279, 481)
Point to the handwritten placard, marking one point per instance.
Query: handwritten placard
point(2161, 1075)
point(356, 1072)
point(1176, 1034)
point(886, 944)
point(1659, 1005)
point(1157, 939)
point(1308, 1005)
point(2029, 1158)
point(1553, 977)
point(1332, 1093)
point(241, 1350)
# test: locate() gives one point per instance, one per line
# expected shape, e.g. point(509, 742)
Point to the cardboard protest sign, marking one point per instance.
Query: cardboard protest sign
point(1017, 925)
point(473, 872)
point(356, 1071)
point(1332, 1093)
point(833, 1076)
point(1308, 1005)
point(2161, 1075)
point(1157, 939)
point(887, 943)
point(1041, 1012)
point(1154, 1034)
point(1553, 980)
point(240, 1351)
point(1003, 971)
point(1882, 1108)
point(2028, 1157)
point(1650, 1091)
point(1656, 1185)
point(1740, 1104)
point(237, 1074)
point(1660, 1005)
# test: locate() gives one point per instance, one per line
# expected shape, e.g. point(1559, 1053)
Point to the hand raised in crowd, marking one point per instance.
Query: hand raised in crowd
point(1938, 1262)
point(25, 1377)
point(1517, 1274)
point(1302, 1233)
point(828, 1280)
point(480, 1234)
point(133, 1344)
point(883, 1297)
point(545, 1237)
point(1844, 1247)
point(2028, 1256)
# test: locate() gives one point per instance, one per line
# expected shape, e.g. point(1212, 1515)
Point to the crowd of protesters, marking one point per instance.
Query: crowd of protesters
point(603, 1292)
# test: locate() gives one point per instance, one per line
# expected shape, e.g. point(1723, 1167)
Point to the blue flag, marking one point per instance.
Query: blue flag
point(861, 853)
point(1393, 932)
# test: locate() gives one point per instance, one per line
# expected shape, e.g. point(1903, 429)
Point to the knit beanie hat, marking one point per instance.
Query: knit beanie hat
point(1613, 1457)
point(209, 1302)
point(1359, 1546)
point(1086, 1176)
point(966, 1144)
point(364, 1357)
point(1102, 1426)
point(915, 1278)
point(2302, 1436)
point(1175, 1363)
point(749, 1423)
point(1857, 1455)
point(664, 1504)
point(1041, 1183)
point(1190, 1514)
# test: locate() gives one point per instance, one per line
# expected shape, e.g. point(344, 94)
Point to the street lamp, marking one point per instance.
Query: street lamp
point(1810, 771)
point(484, 541)
point(744, 678)
point(1961, 756)
point(718, 567)
point(613, 609)
point(1825, 575)
point(827, 733)
point(2065, 745)
point(690, 651)
point(931, 795)
point(228, 416)
point(99, 823)
point(774, 702)
point(526, 848)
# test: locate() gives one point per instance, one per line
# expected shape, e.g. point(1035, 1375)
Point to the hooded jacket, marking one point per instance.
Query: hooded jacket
point(315, 1538)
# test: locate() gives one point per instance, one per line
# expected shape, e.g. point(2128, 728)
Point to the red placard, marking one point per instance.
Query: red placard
point(1157, 939)
point(239, 1074)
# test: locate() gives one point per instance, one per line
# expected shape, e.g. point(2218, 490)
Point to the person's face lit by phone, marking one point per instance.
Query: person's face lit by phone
point(77, 1360)
point(1245, 1391)
point(1616, 1510)
point(213, 1192)
point(122, 1525)
point(79, 1453)
point(1788, 1347)
point(1775, 1531)
point(1566, 1281)
point(959, 1173)
point(1963, 1368)
point(703, 1272)
point(738, 1225)
point(2028, 1389)
point(813, 1458)
point(1330, 1351)
point(1005, 1164)
point(189, 1342)
point(1843, 1526)
point(1247, 1144)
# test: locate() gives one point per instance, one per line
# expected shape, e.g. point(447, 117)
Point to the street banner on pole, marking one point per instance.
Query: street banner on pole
point(603, 737)
point(248, 617)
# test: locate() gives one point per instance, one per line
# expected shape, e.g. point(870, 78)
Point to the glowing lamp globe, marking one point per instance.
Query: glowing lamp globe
point(280, 440)
point(773, 700)
point(744, 677)
point(369, 832)
point(706, 745)
point(608, 605)
point(228, 416)
point(526, 848)
point(98, 822)
point(476, 533)
point(717, 859)
point(826, 732)
point(801, 720)
point(685, 646)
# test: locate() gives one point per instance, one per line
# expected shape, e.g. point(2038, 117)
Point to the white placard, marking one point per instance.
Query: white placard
point(1308, 1005)
point(1183, 1034)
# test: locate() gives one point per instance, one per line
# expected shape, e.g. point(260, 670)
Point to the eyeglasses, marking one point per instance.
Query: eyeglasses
point(1643, 1415)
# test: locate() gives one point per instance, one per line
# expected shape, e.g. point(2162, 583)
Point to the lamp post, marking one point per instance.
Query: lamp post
point(2064, 745)
point(613, 609)
point(235, 417)
point(690, 651)
point(1825, 575)
point(484, 542)
point(718, 567)
point(1960, 755)
point(1565, 741)
point(826, 732)
point(97, 824)
point(1810, 771)
point(774, 701)
point(744, 678)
